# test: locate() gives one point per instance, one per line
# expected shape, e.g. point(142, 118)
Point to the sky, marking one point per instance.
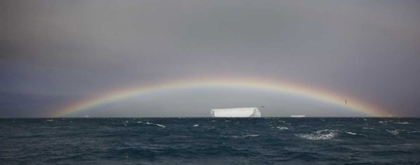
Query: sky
point(57, 53)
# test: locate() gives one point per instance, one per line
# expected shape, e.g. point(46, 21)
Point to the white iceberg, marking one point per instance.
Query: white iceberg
point(236, 112)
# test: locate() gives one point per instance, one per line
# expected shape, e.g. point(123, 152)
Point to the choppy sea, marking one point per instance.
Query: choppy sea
point(205, 141)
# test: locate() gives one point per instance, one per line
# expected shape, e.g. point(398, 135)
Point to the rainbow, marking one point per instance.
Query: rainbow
point(247, 83)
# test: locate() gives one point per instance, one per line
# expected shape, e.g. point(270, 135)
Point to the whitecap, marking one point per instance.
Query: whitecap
point(160, 125)
point(394, 132)
point(319, 135)
point(50, 120)
point(282, 128)
point(351, 133)
point(195, 125)
point(402, 123)
point(251, 135)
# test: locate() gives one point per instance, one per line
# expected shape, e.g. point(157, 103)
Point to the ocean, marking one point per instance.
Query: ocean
point(208, 141)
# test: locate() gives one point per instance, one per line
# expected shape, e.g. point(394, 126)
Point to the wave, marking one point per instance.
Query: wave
point(402, 123)
point(252, 135)
point(282, 128)
point(319, 135)
point(244, 136)
point(383, 122)
point(368, 128)
point(351, 133)
point(159, 125)
point(394, 132)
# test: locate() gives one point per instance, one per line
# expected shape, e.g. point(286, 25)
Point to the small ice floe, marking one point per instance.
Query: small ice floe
point(196, 125)
point(282, 128)
point(351, 133)
point(319, 135)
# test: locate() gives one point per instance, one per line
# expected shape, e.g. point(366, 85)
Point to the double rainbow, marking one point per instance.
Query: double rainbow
point(247, 83)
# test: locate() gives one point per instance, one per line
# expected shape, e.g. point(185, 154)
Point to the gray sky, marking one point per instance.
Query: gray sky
point(58, 52)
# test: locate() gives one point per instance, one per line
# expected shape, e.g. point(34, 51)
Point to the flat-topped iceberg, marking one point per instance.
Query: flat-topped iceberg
point(236, 112)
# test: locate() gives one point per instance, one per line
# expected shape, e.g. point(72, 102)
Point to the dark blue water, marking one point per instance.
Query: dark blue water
point(210, 141)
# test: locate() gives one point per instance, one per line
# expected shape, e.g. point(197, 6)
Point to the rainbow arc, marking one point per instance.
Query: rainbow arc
point(247, 83)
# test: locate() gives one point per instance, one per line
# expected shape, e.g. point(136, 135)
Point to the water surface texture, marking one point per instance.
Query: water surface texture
point(210, 141)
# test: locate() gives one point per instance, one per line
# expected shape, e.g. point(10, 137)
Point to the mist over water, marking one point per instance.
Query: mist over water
point(210, 141)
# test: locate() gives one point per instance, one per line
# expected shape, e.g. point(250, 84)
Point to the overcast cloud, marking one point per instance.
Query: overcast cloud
point(56, 52)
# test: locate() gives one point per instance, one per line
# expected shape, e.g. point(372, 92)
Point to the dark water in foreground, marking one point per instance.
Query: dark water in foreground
point(210, 141)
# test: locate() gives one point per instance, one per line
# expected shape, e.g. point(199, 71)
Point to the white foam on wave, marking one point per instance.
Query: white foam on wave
point(394, 132)
point(50, 120)
point(196, 125)
point(383, 122)
point(252, 135)
point(160, 125)
point(351, 133)
point(319, 135)
point(282, 128)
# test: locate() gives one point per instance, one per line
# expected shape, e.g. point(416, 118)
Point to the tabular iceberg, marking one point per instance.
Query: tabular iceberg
point(236, 112)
